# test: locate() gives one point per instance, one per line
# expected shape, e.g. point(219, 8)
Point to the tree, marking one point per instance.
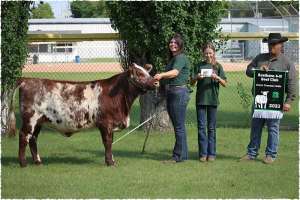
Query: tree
point(88, 9)
point(42, 11)
point(14, 26)
point(146, 27)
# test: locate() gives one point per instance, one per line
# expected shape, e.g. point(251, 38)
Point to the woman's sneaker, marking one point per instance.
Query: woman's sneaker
point(268, 160)
point(211, 158)
point(203, 159)
point(246, 158)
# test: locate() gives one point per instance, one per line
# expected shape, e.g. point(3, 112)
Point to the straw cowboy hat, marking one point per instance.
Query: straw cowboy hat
point(275, 38)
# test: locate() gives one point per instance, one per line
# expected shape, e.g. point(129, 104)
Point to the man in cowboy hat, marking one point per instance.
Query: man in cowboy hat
point(274, 60)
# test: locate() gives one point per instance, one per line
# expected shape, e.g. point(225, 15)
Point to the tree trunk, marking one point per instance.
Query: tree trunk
point(8, 119)
point(150, 103)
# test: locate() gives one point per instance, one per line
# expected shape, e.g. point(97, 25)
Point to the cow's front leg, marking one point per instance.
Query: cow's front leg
point(107, 138)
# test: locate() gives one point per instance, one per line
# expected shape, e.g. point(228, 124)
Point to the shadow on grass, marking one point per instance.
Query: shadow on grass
point(160, 155)
point(195, 156)
point(10, 160)
point(98, 155)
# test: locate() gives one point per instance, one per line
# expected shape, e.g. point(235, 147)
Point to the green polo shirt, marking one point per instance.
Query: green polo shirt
point(207, 88)
point(280, 63)
point(182, 64)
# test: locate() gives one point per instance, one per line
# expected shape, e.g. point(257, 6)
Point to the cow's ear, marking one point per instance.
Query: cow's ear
point(148, 67)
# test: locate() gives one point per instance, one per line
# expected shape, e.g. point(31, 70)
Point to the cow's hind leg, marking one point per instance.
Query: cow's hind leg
point(23, 141)
point(29, 123)
point(33, 145)
point(107, 137)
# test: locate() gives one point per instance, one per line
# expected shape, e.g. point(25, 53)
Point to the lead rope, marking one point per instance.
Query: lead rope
point(150, 124)
point(141, 124)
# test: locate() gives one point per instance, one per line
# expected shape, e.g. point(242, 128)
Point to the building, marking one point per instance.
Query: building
point(89, 50)
point(68, 52)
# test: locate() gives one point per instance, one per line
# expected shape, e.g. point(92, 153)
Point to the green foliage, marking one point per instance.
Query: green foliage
point(14, 27)
point(245, 97)
point(245, 100)
point(147, 27)
point(42, 11)
point(88, 9)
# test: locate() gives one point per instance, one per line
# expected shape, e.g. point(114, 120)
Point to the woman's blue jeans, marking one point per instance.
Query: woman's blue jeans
point(177, 100)
point(206, 142)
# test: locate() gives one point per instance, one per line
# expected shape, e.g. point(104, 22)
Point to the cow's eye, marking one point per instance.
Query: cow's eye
point(140, 74)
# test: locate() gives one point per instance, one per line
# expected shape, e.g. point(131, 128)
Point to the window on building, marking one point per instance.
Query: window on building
point(50, 48)
point(43, 48)
point(33, 48)
point(64, 47)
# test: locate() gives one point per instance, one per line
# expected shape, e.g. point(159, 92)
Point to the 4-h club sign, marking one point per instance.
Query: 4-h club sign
point(269, 90)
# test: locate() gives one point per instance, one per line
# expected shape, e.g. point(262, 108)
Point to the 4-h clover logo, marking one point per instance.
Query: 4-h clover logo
point(275, 95)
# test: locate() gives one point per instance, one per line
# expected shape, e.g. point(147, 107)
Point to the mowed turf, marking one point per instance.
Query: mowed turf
point(74, 168)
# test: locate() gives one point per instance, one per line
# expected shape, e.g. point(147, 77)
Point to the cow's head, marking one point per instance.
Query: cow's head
point(140, 77)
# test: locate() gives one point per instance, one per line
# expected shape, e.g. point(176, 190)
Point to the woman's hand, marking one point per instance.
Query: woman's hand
point(158, 77)
point(166, 75)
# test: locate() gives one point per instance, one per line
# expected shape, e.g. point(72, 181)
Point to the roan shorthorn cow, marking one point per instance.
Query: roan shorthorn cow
point(70, 107)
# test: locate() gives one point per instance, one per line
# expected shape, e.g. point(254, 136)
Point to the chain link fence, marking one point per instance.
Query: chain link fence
point(92, 60)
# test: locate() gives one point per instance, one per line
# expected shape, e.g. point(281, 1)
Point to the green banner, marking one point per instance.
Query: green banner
point(269, 91)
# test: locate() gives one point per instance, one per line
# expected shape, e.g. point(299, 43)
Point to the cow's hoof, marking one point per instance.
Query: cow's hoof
point(38, 162)
point(23, 163)
point(110, 163)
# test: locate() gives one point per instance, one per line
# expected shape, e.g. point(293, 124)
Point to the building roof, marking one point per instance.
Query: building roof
point(70, 21)
point(56, 32)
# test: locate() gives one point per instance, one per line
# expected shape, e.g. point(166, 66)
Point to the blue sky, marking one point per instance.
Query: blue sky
point(59, 8)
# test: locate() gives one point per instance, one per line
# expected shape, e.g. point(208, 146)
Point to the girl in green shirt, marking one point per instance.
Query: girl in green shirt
point(209, 74)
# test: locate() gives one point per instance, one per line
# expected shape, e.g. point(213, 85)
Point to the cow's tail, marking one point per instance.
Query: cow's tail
point(11, 120)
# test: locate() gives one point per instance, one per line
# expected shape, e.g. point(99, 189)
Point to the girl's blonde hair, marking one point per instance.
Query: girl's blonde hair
point(209, 45)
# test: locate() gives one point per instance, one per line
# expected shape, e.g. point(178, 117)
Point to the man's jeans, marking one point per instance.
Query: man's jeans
point(206, 143)
point(177, 100)
point(255, 137)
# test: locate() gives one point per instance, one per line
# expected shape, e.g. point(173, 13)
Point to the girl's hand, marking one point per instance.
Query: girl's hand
point(158, 77)
point(199, 76)
point(214, 76)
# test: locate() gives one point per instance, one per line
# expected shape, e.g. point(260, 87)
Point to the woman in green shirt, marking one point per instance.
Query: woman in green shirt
point(176, 77)
point(209, 74)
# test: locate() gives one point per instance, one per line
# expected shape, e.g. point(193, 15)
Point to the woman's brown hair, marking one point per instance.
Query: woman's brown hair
point(179, 41)
point(210, 45)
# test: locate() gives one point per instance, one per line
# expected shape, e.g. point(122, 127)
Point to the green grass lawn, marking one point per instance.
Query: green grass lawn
point(74, 168)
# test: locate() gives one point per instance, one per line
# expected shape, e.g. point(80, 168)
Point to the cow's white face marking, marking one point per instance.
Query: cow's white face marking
point(146, 73)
